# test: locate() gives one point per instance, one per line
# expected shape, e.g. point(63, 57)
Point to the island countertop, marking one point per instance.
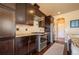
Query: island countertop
point(31, 34)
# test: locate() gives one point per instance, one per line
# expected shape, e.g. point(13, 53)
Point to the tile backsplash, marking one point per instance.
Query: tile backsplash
point(23, 29)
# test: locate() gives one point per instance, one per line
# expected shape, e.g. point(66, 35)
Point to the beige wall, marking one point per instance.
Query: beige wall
point(68, 16)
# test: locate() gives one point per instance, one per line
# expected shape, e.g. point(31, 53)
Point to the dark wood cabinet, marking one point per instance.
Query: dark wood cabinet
point(24, 13)
point(24, 45)
point(42, 18)
point(32, 44)
point(7, 21)
point(30, 12)
point(39, 13)
point(49, 25)
point(7, 30)
point(6, 47)
point(9, 5)
point(21, 46)
point(20, 13)
point(48, 20)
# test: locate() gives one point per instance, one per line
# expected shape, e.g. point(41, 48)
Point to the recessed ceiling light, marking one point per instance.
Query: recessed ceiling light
point(58, 13)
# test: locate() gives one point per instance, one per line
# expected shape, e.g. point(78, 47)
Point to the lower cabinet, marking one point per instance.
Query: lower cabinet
point(32, 44)
point(21, 45)
point(24, 45)
point(18, 46)
point(6, 47)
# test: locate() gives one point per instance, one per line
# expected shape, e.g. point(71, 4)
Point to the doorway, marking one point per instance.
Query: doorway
point(61, 29)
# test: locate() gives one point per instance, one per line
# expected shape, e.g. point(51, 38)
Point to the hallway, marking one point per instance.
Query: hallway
point(55, 49)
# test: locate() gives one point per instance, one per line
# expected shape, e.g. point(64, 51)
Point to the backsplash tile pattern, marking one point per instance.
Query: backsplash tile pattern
point(30, 29)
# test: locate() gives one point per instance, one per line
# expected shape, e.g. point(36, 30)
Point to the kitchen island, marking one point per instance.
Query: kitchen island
point(28, 43)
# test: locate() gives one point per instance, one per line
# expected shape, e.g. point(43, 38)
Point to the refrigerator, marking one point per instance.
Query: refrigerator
point(7, 30)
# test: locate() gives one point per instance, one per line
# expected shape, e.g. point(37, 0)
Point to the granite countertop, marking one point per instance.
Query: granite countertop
point(30, 34)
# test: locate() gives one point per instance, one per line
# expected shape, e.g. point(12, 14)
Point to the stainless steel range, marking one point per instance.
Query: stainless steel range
point(41, 42)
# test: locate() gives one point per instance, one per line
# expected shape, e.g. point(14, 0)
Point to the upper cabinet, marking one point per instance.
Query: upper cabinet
point(42, 18)
point(9, 5)
point(41, 15)
point(30, 12)
point(24, 13)
point(20, 13)
point(49, 19)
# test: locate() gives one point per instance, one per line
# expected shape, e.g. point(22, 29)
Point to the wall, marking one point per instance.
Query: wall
point(30, 29)
point(68, 17)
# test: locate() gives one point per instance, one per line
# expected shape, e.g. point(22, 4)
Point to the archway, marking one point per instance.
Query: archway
point(61, 29)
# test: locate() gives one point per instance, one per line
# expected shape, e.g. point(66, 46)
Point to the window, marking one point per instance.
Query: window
point(74, 23)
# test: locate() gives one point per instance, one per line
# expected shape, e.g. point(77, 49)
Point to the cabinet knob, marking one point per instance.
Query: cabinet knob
point(26, 29)
point(17, 29)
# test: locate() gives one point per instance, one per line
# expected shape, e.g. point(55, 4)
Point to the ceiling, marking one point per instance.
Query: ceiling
point(54, 8)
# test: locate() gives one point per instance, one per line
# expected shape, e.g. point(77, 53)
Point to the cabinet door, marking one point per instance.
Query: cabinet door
point(20, 13)
point(38, 13)
point(32, 44)
point(49, 20)
point(7, 22)
point(42, 18)
point(30, 12)
point(7, 29)
point(21, 46)
point(6, 47)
